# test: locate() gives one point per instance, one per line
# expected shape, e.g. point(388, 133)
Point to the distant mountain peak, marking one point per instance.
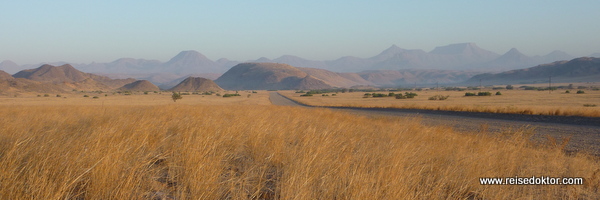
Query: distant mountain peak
point(191, 62)
point(8, 62)
point(459, 48)
point(389, 53)
point(513, 51)
point(189, 54)
point(393, 50)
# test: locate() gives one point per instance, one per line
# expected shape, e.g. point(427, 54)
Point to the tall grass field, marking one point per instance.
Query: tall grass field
point(179, 151)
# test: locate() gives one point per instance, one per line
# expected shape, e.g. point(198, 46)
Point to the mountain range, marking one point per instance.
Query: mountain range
point(584, 69)
point(463, 57)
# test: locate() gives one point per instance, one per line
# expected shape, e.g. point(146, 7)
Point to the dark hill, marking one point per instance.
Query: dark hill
point(140, 85)
point(196, 84)
point(268, 76)
point(583, 69)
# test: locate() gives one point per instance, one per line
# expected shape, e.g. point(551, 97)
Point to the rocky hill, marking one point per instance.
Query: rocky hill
point(196, 84)
point(140, 85)
point(342, 80)
point(584, 69)
point(268, 76)
point(64, 78)
point(5, 76)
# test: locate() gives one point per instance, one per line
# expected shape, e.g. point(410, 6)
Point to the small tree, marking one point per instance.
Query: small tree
point(509, 87)
point(176, 96)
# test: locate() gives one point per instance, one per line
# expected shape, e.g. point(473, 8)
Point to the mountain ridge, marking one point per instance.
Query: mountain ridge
point(583, 69)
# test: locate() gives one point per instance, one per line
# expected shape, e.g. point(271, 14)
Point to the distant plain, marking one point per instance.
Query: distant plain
point(556, 102)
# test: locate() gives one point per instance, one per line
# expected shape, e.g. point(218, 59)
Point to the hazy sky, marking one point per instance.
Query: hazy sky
point(103, 31)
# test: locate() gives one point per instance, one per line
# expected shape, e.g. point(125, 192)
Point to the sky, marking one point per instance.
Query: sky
point(103, 31)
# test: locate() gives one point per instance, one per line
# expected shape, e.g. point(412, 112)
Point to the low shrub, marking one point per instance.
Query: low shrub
point(498, 93)
point(484, 94)
point(306, 95)
point(580, 92)
point(400, 96)
point(468, 94)
point(567, 91)
point(439, 97)
point(95, 97)
point(231, 95)
point(86, 95)
point(379, 95)
point(589, 105)
point(410, 95)
point(46, 95)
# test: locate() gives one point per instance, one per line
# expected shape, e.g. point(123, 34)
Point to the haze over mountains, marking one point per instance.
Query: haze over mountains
point(584, 69)
point(463, 56)
point(394, 66)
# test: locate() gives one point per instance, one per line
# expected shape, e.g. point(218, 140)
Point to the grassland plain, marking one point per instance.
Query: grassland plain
point(138, 98)
point(511, 101)
point(219, 149)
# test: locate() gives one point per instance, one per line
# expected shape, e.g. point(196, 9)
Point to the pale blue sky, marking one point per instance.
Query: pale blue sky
point(103, 31)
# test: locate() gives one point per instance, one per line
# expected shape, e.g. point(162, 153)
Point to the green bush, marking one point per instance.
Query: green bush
point(306, 95)
point(231, 95)
point(46, 95)
point(439, 97)
point(468, 94)
point(86, 95)
point(410, 95)
point(580, 92)
point(176, 96)
point(95, 97)
point(509, 87)
point(589, 105)
point(498, 93)
point(400, 96)
point(567, 91)
point(484, 94)
point(58, 95)
point(379, 95)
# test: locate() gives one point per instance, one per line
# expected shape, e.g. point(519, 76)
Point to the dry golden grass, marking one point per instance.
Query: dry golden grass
point(264, 152)
point(511, 101)
point(164, 98)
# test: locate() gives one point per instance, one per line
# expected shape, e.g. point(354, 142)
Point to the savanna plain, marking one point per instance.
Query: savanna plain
point(560, 102)
point(146, 146)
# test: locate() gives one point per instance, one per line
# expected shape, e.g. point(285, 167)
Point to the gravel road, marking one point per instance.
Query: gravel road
point(584, 132)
